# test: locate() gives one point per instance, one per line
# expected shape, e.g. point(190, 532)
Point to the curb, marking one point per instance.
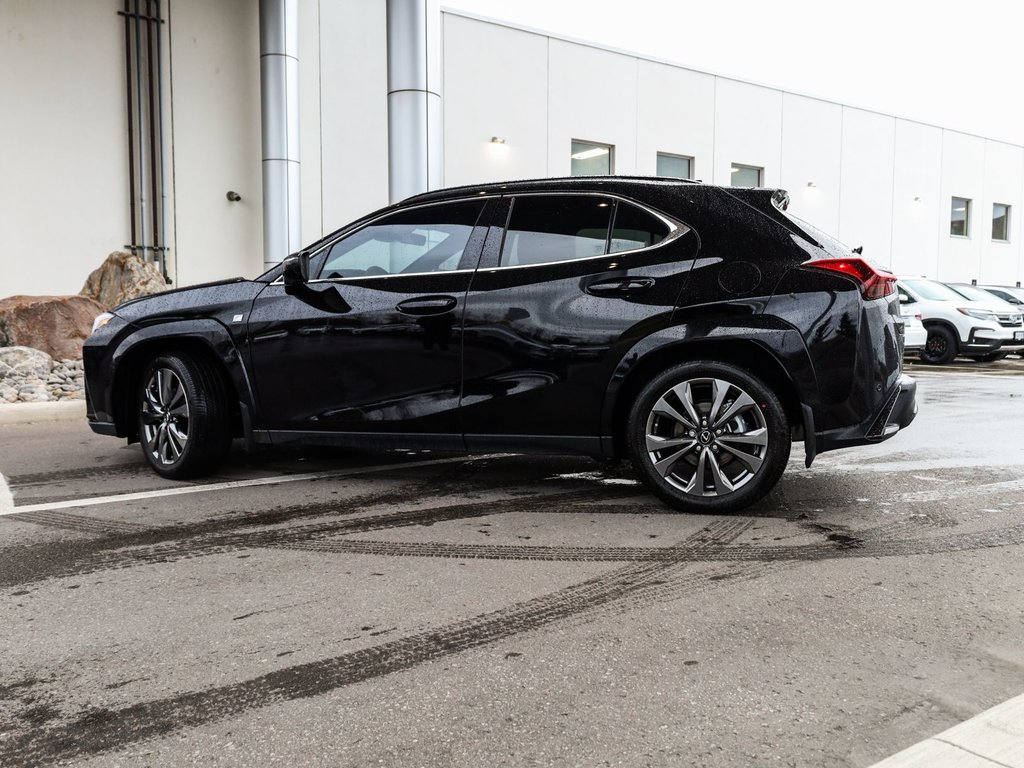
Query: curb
point(34, 413)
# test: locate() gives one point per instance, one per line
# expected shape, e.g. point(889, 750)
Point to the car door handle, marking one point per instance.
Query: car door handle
point(427, 305)
point(620, 287)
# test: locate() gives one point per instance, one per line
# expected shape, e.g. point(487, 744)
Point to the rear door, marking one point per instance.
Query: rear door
point(566, 284)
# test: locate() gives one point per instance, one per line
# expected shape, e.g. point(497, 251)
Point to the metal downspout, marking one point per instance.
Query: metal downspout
point(279, 98)
point(414, 97)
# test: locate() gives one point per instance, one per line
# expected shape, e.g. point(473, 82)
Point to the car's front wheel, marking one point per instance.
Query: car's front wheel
point(184, 425)
point(941, 346)
point(708, 437)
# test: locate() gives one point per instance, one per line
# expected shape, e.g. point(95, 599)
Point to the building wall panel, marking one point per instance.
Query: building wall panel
point(865, 214)
point(748, 130)
point(811, 150)
point(916, 199)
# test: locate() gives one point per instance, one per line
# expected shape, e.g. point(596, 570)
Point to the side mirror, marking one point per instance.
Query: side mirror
point(296, 270)
point(905, 299)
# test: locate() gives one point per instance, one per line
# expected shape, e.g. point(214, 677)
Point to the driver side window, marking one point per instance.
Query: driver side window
point(428, 239)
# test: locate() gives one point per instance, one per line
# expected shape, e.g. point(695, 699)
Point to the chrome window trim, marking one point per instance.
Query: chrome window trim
point(676, 230)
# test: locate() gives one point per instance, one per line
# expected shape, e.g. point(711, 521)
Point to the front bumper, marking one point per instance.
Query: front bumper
point(896, 413)
point(982, 339)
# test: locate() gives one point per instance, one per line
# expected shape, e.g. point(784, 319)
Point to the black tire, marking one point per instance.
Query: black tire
point(941, 346)
point(183, 417)
point(991, 357)
point(749, 472)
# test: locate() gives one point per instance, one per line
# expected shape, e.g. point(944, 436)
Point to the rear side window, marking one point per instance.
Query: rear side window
point(428, 239)
point(550, 228)
point(635, 228)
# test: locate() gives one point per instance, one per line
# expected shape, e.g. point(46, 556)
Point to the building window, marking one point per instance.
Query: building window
point(746, 175)
point(1000, 222)
point(590, 159)
point(960, 217)
point(675, 166)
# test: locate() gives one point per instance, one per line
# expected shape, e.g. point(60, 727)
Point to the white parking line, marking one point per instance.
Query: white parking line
point(275, 480)
point(993, 738)
point(6, 500)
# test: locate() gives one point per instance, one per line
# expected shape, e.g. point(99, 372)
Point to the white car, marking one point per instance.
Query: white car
point(914, 333)
point(983, 329)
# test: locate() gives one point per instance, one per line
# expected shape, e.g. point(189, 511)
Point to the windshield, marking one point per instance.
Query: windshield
point(929, 289)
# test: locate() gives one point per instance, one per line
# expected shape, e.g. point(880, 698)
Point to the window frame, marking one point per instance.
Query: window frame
point(676, 156)
point(595, 144)
point(967, 216)
point(1006, 224)
point(744, 166)
point(676, 228)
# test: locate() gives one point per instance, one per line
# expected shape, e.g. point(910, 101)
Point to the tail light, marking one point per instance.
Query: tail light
point(873, 283)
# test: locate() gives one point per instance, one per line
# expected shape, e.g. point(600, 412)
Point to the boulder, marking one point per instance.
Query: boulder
point(121, 277)
point(23, 363)
point(57, 325)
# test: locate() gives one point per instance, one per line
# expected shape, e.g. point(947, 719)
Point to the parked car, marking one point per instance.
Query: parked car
point(696, 330)
point(984, 330)
point(1010, 294)
point(976, 293)
point(914, 334)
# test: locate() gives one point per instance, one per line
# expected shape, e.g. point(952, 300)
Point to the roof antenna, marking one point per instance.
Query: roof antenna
point(859, 249)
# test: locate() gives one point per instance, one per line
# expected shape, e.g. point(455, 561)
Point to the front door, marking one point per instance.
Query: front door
point(372, 344)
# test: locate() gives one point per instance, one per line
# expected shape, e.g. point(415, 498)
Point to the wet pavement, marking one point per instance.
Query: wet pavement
point(419, 609)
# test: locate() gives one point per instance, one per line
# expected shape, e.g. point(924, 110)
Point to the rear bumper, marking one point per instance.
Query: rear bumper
point(896, 413)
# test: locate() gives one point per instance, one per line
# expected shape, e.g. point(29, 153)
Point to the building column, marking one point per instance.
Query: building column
point(279, 98)
point(414, 97)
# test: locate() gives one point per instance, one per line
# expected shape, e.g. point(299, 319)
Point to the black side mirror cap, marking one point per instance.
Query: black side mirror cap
point(296, 270)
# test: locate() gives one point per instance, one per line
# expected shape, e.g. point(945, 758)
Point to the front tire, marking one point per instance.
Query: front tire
point(708, 437)
point(991, 357)
point(184, 424)
point(941, 346)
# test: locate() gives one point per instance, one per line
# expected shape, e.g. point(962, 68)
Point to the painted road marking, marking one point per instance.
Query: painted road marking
point(6, 499)
point(90, 501)
point(993, 738)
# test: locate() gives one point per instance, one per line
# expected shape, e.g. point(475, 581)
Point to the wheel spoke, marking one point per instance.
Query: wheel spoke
point(741, 403)
point(662, 407)
point(696, 484)
point(753, 437)
point(148, 417)
point(153, 438)
point(665, 465)
point(177, 394)
point(176, 440)
point(685, 394)
point(655, 443)
point(751, 462)
point(722, 484)
point(719, 390)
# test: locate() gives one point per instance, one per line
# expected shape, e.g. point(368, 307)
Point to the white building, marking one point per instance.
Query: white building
point(900, 188)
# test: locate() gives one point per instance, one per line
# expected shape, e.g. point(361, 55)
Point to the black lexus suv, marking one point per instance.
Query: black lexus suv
point(696, 330)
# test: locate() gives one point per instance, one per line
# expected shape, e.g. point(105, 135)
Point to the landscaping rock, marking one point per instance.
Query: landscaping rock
point(32, 376)
point(121, 277)
point(24, 363)
point(57, 325)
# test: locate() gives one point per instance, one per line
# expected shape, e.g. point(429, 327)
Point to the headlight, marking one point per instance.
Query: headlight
point(101, 319)
point(980, 314)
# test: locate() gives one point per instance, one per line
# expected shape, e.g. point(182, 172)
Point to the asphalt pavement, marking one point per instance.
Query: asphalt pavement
point(335, 608)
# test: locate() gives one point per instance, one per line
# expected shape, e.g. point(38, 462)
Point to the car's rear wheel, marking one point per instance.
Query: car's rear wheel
point(184, 425)
point(941, 346)
point(708, 437)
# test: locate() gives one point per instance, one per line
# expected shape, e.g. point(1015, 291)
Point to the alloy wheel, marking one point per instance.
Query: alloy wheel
point(706, 437)
point(165, 416)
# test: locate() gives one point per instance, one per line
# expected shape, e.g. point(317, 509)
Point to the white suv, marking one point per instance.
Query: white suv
point(983, 329)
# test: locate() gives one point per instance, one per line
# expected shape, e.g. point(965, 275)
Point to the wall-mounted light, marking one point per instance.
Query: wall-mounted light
point(811, 184)
point(497, 140)
point(233, 197)
point(917, 198)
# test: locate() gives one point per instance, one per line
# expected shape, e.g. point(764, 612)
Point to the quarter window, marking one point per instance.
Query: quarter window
point(675, 166)
point(635, 228)
point(549, 228)
point(746, 175)
point(960, 217)
point(428, 239)
point(591, 159)
point(1000, 222)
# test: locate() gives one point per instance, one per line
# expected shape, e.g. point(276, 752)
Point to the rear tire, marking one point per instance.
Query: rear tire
point(941, 346)
point(708, 437)
point(183, 418)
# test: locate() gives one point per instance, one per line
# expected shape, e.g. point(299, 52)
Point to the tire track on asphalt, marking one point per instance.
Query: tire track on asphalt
point(25, 564)
point(102, 730)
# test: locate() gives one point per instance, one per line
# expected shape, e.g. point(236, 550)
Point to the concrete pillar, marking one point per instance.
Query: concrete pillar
point(279, 97)
point(414, 97)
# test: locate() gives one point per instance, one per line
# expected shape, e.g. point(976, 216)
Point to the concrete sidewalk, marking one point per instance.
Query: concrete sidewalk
point(993, 739)
point(30, 413)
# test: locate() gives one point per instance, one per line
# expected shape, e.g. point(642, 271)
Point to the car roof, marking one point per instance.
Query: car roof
point(623, 184)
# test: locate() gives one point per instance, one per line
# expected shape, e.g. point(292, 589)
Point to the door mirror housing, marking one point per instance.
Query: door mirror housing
point(296, 270)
